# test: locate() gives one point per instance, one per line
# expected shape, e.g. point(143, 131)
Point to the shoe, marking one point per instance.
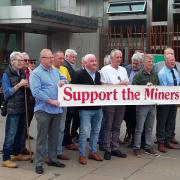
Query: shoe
point(21, 157)
point(118, 153)
point(174, 141)
point(95, 157)
point(171, 146)
point(151, 151)
point(27, 152)
point(107, 155)
point(56, 164)
point(162, 148)
point(82, 160)
point(39, 170)
point(62, 157)
point(72, 147)
point(9, 164)
point(101, 148)
point(137, 152)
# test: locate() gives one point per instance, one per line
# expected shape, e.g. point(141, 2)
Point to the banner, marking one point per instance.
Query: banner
point(103, 95)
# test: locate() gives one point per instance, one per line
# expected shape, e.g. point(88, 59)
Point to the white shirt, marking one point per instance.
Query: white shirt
point(110, 75)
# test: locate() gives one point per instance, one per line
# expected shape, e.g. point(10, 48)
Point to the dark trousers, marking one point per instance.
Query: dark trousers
point(111, 128)
point(13, 135)
point(130, 119)
point(72, 117)
point(166, 122)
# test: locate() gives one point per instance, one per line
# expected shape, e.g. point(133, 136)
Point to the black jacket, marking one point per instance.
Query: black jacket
point(83, 77)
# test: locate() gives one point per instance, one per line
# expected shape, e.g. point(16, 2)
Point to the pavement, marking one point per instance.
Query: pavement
point(164, 167)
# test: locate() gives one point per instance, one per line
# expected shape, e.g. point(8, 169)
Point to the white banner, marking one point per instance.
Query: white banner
point(102, 95)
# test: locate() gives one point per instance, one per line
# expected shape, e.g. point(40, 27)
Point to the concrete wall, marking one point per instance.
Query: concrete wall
point(34, 43)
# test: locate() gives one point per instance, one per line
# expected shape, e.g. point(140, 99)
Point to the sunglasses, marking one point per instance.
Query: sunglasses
point(32, 62)
point(26, 60)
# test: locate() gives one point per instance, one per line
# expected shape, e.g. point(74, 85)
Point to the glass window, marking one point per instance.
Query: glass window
point(126, 7)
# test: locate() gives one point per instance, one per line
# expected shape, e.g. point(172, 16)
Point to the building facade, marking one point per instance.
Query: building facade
point(88, 26)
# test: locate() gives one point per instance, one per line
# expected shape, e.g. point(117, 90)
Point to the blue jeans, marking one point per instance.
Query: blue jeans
point(61, 131)
point(145, 116)
point(13, 135)
point(90, 121)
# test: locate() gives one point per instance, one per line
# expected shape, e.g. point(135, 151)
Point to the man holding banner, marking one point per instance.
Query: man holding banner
point(145, 115)
point(113, 115)
point(166, 114)
point(90, 116)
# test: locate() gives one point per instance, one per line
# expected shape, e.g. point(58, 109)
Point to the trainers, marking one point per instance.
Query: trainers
point(21, 157)
point(137, 153)
point(9, 164)
point(151, 151)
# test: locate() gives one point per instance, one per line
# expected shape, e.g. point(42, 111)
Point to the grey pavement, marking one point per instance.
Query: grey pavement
point(164, 167)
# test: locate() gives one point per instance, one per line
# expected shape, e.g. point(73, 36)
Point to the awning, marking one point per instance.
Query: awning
point(38, 20)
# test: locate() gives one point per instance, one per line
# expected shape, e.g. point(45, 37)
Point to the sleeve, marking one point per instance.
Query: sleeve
point(35, 86)
point(8, 90)
point(103, 75)
point(162, 80)
point(126, 75)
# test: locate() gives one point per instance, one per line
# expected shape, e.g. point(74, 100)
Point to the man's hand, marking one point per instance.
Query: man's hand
point(23, 82)
point(61, 83)
point(149, 84)
point(123, 83)
point(54, 102)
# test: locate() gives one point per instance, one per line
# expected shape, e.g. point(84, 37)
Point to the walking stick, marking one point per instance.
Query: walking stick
point(26, 111)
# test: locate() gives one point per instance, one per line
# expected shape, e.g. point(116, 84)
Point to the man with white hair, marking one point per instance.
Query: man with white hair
point(72, 117)
point(130, 113)
point(43, 83)
point(91, 116)
point(13, 82)
point(113, 115)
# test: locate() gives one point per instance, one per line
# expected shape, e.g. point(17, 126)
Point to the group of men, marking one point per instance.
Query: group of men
point(58, 126)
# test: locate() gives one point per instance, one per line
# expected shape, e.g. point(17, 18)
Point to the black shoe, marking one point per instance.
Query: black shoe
point(118, 153)
point(56, 164)
point(107, 155)
point(39, 170)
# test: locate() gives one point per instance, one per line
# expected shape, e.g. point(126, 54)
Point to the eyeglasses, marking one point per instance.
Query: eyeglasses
point(48, 57)
point(26, 60)
point(19, 60)
point(32, 62)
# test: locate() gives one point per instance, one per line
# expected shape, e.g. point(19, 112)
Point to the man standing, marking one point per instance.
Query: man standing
point(130, 113)
point(166, 114)
point(57, 64)
point(90, 117)
point(72, 117)
point(43, 83)
point(113, 115)
point(145, 115)
point(13, 82)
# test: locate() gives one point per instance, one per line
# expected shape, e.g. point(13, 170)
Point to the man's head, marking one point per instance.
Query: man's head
point(16, 60)
point(168, 51)
point(83, 62)
point(71, 56)
point(26, 59)
point(148, 62)
point(91, 62)
point(170, 61)
point(32, 64)
point(116, 58)
point(58, 58)
point(46, 58)
point(137, 60)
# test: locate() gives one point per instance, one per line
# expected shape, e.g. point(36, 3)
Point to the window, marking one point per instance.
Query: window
point(126, 7)
point(176, 4)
